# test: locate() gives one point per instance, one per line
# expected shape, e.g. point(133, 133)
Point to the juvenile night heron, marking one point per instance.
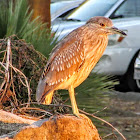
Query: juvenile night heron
point(73, 58)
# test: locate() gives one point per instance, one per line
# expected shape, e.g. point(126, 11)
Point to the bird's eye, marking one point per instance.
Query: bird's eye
point(102, 24)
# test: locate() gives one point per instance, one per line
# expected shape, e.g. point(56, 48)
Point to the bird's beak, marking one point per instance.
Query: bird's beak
point(115, 30)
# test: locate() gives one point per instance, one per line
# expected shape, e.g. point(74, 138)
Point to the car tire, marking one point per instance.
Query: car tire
point(127, 82)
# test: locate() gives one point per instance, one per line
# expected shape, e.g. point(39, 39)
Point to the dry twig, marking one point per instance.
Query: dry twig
point(26, 81)
point(6, 79)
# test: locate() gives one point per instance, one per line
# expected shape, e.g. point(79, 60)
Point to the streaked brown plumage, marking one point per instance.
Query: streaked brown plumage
point(73, 58)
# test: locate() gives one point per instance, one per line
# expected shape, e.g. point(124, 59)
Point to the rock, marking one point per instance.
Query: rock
point(63, 127)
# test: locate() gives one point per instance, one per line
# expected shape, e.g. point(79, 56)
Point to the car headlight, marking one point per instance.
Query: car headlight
point(115, 39)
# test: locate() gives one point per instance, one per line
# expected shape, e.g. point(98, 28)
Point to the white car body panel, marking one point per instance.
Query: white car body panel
point(112, 61)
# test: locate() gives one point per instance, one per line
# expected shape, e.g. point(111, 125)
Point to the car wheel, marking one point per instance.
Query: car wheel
point(127, 82)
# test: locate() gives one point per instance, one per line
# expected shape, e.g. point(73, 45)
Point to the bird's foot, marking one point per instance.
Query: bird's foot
point(79, 115)
point(83, 116)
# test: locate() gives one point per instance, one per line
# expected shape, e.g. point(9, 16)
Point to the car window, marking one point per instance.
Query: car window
point(130, 8)
point(55, 7)
point(91, 8)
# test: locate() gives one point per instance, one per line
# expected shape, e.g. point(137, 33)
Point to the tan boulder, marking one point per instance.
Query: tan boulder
point(63, 127)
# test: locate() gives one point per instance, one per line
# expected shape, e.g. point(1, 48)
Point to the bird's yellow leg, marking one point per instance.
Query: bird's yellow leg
point(48, 98)
point(73, 101)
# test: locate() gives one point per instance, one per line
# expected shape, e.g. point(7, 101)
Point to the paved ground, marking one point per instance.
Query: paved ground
point(125, 113)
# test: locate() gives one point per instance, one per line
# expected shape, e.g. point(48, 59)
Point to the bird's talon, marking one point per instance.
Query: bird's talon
point(77, 115)
point(81, 115)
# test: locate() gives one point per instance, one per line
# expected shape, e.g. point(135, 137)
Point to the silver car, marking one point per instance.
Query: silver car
point(121, 53)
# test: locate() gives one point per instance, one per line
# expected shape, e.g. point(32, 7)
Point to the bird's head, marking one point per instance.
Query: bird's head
point(104, 26)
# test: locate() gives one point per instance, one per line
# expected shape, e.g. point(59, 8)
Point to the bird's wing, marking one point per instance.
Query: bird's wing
point(65, 64)
point(65, 60)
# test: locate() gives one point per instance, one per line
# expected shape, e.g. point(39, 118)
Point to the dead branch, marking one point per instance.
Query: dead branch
point(8, 59)
point(8, 117)
point(3, 83)
point(6, 79)
point(38, 109)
